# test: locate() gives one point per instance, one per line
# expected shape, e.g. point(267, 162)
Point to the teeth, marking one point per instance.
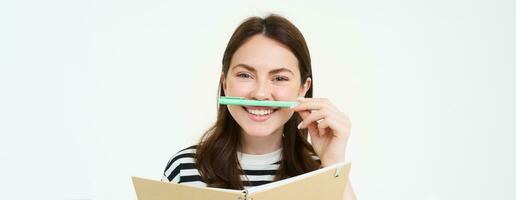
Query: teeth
point(260, 112)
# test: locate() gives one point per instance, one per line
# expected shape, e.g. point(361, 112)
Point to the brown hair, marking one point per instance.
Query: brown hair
point(216, 157)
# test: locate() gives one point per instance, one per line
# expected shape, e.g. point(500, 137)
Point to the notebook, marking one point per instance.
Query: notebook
point(327, 183)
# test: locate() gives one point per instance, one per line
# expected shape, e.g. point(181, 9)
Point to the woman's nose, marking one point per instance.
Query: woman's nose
point(262, 91)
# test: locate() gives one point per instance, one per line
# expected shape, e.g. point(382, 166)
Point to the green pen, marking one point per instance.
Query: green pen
point(244, 102)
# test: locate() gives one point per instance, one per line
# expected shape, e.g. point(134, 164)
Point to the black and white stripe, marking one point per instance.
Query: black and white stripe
point(257, 169)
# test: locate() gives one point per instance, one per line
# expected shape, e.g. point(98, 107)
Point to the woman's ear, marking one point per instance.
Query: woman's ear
point(306, 87)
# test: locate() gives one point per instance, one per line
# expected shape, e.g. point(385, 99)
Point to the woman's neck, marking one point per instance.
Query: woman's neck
point(261, 145)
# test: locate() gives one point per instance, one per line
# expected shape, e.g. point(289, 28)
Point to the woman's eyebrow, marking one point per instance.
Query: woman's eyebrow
point(274, 71)
point(246, 67)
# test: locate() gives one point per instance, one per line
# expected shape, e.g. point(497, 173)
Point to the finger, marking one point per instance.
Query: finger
point(312, 128)
point(312, 118)
point(314, 136)
point(304, 114)
point(321, 100)
point(312, 105)
point(336, 126)
point(321, 127)
point(337, 116)
point(312, 99)
point(323, 124)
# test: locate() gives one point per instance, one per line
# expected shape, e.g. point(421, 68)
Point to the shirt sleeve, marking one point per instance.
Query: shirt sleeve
point(172, 172)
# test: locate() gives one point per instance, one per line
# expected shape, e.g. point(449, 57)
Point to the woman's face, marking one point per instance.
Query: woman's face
point(263, 69)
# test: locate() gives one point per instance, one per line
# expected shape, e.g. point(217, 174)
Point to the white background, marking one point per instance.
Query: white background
point(93, 92)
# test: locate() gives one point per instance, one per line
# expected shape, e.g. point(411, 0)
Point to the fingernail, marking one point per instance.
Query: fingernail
point(299, 126)
point(300, 98)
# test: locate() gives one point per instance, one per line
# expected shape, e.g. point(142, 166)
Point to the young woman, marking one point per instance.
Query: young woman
point(265, 59)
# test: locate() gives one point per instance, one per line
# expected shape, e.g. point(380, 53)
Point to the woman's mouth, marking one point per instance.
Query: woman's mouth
point(259, 114)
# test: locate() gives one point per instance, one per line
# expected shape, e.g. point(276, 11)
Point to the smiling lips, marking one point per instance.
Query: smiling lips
point(259, 113)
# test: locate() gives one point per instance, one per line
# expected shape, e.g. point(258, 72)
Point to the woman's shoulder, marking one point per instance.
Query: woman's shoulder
point(187, 150)
point(183, 159)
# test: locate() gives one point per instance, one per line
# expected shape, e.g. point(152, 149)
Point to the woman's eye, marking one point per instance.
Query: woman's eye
point(244, 75)
point(280, 78)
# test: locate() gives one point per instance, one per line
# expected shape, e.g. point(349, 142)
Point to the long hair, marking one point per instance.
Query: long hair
point(216, 157)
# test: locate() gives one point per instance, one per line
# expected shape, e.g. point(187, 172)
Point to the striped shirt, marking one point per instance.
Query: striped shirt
point(258, 169)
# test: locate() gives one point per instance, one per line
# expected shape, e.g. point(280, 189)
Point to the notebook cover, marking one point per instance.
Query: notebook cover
point(323, 186)
point(147, 189)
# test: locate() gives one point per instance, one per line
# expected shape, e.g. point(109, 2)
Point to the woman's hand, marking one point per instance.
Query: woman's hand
point(329, 128)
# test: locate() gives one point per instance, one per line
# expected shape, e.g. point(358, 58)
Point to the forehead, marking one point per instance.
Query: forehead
point(265, 54)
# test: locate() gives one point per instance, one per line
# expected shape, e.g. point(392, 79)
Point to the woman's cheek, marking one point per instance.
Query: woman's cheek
point(240, 90)
point(285, 94)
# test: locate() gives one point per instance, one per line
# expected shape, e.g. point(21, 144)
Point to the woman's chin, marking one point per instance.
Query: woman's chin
point(258, 133)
